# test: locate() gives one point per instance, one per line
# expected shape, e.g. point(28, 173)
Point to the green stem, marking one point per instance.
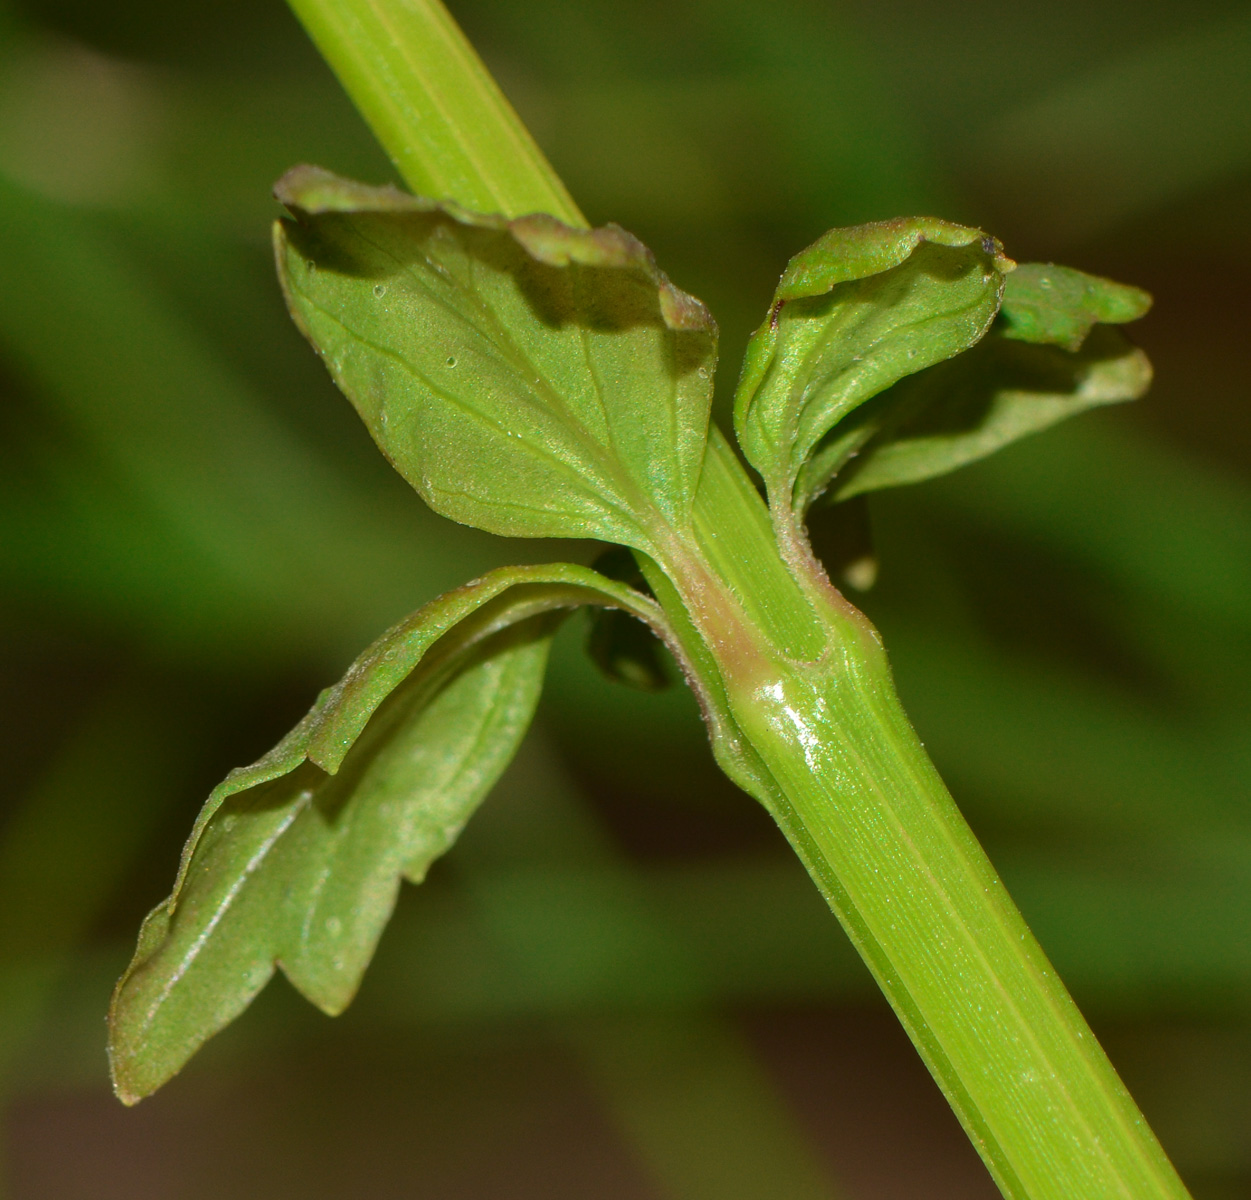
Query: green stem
point(434, 107)
point(842, 771)
point(798, 693)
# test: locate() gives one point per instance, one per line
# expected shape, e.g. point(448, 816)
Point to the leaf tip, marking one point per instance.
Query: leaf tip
point(682, 311)
point(1050, 304)
point(992, 247)
point(131, 1083)
point(553, 242)
point(123, 1088)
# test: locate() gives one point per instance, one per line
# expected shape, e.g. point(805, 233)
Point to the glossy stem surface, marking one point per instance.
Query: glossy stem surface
point(799, 696)
point(832, 755)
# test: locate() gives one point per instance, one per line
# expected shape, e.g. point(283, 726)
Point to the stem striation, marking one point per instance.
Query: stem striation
point(842, 771)
point(800, 702)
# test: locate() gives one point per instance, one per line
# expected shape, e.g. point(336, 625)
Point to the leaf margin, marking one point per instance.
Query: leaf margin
point(840, 256)
point(321, 740)
point(604, 511)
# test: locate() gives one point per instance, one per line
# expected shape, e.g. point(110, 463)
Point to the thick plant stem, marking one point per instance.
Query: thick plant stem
point(835, 759)
point(421, 87)
point(804, 714)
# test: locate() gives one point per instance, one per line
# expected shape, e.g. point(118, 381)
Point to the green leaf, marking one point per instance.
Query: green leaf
point(1059, 306)
point(1050, 356)
point(525, 377)
point(855, 312)
point(296, 860)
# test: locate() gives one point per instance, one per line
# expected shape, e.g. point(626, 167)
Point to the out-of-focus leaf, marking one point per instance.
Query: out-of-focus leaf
point(613, 954)
point(1064, 741)
point(296, 860)
point(525, 377)
point(1050, 356)
point(864, 156)
point(75, 124)
point(626, 650)
point(173, 500)
point(608, 88)
point(1134, 923)
point(1172, 532)
point(965, 409)
point(855, 312)
point(623, 647)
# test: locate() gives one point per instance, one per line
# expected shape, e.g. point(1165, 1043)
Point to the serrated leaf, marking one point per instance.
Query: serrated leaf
point(525, 377)
point(858, 310)
point(296, 861)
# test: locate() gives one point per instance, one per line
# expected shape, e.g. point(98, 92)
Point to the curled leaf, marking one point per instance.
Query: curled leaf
point(526, 377)
point(855, 312)
point(296, 860)
point(1059, 306)
point(1050, 356)
point(966, 409)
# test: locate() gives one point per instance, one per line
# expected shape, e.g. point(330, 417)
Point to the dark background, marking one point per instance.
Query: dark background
point(620, 983)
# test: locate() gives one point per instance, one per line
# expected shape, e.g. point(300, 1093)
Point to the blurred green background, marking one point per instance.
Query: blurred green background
point(620, 983)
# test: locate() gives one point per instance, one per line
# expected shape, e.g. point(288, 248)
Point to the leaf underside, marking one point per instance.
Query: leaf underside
point(538, 380)
point(528, 378)
point(899, 351)
point(296, 861)
point(1051, 354)
point(963, 410)
point(853, 314)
